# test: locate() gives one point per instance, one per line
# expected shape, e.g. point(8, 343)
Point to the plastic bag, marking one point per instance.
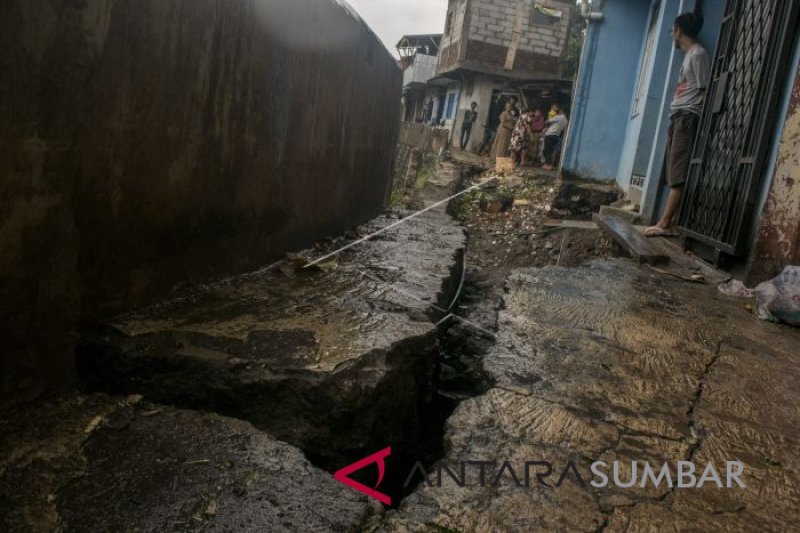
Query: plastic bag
point(736, 289)
point(779, 300)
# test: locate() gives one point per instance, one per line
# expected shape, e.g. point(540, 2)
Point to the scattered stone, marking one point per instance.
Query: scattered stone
point(494, 203)
point(93, 424)
point(211, 508)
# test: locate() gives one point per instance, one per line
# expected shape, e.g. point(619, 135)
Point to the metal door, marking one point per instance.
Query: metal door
point(738, 123)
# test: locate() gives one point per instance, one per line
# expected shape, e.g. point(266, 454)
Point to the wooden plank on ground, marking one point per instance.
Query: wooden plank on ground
point(564, 223)
point(576, 224)
point(640, 248)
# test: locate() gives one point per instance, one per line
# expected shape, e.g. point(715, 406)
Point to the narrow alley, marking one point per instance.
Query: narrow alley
point(259, 274)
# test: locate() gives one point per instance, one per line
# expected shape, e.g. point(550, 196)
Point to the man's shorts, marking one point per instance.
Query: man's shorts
point(682, 133)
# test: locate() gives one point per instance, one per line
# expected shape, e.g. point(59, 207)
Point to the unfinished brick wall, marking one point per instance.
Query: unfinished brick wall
point(452, 39)
point(488, 29)
point(492, 22)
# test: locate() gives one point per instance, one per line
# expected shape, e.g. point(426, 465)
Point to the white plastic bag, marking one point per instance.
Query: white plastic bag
point(779, 300)
point(736, 289)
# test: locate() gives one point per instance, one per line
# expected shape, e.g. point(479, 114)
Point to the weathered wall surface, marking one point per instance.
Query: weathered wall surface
point(482, 33)
point(150, 142)
point(418, 149)
point(542, 45)
point(455, 31)
point(778, 238)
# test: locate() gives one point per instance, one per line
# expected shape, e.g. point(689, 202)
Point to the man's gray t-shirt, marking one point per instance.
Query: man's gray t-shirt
point(693, 81)
point(557, 125)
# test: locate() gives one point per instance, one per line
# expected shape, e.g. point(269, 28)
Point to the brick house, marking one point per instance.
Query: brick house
point(492, 47)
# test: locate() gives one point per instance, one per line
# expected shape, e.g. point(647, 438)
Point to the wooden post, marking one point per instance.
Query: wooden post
point(515, 36)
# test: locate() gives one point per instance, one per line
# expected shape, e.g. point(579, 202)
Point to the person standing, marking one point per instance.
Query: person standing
point(552, 139)
point(466, 127)
point(555, 109)
point(537, 128)
point(428, 111)
point(520, 137)
point(503, 138)
point(687, 107)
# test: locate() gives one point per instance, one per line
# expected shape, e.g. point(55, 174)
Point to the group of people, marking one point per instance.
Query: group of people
point(530, 136)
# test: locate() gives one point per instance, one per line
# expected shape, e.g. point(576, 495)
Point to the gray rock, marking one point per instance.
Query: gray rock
point(167, 470)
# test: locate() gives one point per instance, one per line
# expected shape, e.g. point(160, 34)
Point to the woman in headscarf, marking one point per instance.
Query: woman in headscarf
point(504, 130)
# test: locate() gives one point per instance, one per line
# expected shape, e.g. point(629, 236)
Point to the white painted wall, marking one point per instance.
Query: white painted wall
point(482, 94)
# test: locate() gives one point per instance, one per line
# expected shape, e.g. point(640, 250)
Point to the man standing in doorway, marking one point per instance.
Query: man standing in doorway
point(466, 128)
point(552, 139)
point(687, 107)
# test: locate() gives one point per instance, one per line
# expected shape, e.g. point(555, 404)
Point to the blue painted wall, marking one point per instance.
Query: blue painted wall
point(604, 89)
point(642, 125)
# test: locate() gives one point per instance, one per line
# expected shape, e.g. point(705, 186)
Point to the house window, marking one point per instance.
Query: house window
point(638, 102)
point(545, 16)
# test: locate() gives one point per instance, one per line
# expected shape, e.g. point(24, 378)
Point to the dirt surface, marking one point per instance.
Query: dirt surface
point(501, 242)
point(498, 243)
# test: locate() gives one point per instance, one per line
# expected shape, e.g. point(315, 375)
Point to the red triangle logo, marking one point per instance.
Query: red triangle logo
point(380, 460)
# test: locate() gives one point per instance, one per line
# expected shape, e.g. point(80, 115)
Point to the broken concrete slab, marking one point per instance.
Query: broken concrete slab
point(317, 359)
point(92, 463)
point(610, 362)
point(631, 240)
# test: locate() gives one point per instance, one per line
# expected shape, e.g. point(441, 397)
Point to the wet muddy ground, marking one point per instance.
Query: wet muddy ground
point(474, 336)
point(610, 362)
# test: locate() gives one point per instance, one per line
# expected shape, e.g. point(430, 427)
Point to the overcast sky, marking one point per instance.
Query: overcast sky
point(391, 19)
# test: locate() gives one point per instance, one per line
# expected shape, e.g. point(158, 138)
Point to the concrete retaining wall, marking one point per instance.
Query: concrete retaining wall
point(418, 148)
point(150, 142)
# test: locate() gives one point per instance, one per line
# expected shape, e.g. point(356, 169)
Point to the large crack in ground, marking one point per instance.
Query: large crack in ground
point(474, 357)
point(341, 363)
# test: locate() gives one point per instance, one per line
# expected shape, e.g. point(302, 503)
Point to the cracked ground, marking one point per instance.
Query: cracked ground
point(560, 354)
point(610, 361)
